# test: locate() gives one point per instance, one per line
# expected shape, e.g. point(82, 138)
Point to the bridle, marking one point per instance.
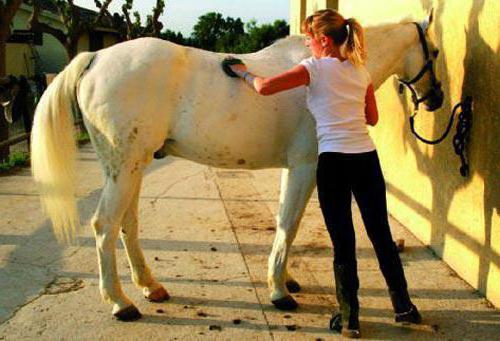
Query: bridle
point(428, 67)
point(435, 88)
point(460, 140)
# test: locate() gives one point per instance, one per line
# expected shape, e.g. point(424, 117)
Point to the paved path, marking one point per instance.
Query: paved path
point(206, 234)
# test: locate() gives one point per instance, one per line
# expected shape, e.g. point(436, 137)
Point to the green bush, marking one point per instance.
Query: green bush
point(16, 159)
point(83, 137)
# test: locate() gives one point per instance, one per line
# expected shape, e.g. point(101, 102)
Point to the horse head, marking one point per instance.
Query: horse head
point(419, 72)
point(9, 88)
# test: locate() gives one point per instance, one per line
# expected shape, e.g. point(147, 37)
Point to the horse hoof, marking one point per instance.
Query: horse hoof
point(159, 295)
point(293, 286)
point(131, 313)
point(286, 303)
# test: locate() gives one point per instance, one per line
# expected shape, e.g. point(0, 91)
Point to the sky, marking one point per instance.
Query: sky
point(181, 15)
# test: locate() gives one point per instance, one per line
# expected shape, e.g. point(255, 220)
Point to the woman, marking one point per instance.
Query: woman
point(341, 98)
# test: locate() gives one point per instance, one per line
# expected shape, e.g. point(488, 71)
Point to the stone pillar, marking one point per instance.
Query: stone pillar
point(297, 15)
point(299, 9)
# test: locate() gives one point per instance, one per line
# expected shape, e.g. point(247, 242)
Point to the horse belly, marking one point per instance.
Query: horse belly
point(227, 147)
point(251, 132)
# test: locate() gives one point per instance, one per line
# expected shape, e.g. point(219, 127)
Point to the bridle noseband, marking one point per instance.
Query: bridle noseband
point(428, 67)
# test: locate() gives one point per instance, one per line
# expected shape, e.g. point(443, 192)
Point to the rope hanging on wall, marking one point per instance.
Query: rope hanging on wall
point(461, 138)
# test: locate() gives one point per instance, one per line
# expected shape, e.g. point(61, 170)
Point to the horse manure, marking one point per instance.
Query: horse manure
point(186, 307)
point(215, 327)
point(291, 327)
point(236, 321)
point(157, 259)
point(160, 311)
point(213, 248)
point(201, 314)
point(287, 316)
point(435, 327)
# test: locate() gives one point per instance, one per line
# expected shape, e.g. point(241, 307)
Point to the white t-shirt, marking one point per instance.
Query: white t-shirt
point(336, 98)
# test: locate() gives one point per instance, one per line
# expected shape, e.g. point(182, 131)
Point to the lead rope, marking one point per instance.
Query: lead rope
point(461, 138)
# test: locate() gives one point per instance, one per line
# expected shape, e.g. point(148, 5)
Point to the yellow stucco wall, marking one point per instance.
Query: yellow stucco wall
point(18, 60)
point(457, 217)
point(83, 43)
point(109, 40)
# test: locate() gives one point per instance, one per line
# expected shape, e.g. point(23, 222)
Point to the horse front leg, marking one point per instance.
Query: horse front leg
point(141, 274)
point(297, 184)
point(114, 200)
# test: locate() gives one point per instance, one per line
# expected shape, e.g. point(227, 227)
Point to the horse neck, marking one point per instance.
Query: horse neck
point(388, 48)
point(291, 47)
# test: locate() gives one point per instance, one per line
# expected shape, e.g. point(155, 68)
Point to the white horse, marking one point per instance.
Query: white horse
point(138, 95)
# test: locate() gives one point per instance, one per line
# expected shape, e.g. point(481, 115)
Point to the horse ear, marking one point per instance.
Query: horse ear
point(426, 24)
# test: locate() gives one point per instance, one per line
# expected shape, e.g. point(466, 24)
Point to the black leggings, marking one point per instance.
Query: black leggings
point(339, 175)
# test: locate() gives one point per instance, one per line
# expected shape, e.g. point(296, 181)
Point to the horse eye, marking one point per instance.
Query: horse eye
point(435, 53)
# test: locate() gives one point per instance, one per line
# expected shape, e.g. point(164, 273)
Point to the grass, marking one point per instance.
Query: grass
point(15, 160)
point(22, 159)
point(82, 137)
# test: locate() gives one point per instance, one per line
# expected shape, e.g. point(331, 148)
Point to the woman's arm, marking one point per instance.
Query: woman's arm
point(371, 111)
point(295, 77)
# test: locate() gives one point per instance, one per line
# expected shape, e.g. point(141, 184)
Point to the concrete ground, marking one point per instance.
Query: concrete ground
point(206, 234)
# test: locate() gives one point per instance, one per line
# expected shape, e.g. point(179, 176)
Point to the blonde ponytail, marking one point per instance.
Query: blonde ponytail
point(348, 34)
point(354, 48)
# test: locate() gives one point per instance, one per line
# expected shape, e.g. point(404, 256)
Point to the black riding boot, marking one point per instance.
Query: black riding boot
point(346, 286)
point(405, 311)
point(392, 269)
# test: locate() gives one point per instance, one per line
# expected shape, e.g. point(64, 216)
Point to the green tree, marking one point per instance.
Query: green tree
point(175, 37)
point(134, 28)
point(209, 28)
point(258, 37)
point(213, 32)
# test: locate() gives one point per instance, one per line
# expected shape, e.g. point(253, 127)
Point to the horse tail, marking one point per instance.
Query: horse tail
point(53, 148)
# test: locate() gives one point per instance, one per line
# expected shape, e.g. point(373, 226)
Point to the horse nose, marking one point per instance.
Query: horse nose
point(435, 100)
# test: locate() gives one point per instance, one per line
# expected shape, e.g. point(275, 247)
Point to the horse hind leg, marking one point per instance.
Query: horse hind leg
point(297, 184)
point(141, 274)
point(114, 201)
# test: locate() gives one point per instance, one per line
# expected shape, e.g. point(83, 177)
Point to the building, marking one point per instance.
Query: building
point(28, 54)
point(457, 217)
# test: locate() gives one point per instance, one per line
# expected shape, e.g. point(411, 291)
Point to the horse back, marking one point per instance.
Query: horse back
point(141, 93)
